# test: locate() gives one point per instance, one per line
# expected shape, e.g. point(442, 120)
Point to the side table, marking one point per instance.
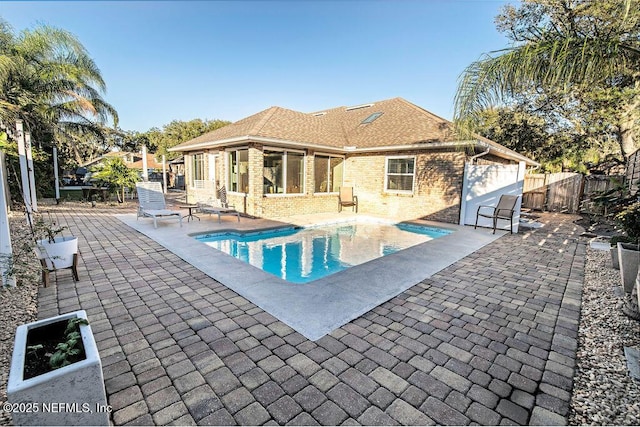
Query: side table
point(191, 208)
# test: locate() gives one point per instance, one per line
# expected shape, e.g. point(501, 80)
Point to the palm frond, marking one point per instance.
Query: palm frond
point(560, 63)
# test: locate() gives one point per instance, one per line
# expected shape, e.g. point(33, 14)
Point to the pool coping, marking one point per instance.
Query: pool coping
point(316, 308)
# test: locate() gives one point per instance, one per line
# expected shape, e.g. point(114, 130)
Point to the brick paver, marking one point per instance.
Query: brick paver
point(489, 340)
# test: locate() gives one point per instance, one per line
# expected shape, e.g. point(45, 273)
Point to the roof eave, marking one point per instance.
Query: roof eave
point(210, 144)
point(506, 153)
point(502, 152)
point(493, 149)
point(245, 139)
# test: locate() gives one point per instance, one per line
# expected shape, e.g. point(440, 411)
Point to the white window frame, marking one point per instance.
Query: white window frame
point(328, 171)
point(196, 183)
point(213, 157)
point(285, 172)
point(228, 165)
point(386, 175)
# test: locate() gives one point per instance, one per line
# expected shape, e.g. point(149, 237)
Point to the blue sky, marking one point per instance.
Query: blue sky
point(181, 60)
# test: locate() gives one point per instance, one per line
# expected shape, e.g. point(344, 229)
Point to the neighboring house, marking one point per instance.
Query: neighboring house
point(403, 161)
point(131, 160)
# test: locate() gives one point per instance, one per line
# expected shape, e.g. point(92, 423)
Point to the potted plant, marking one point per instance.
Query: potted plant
point(55, 252)
point(56, 374)
point(615, 260)
point(629, 255)
point(610, 203)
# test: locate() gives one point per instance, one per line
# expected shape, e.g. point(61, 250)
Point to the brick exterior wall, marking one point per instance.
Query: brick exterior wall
point(490, 159)
point(436, 196)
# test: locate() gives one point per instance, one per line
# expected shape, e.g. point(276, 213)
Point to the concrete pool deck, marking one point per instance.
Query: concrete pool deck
point(489, 340)
point(316, 308)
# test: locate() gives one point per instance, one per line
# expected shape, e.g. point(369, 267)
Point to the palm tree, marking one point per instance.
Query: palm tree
point(116, 175)
point(48, 80)
point(562, 55)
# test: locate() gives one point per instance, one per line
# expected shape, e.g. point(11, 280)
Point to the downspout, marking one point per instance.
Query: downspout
point(484, 153)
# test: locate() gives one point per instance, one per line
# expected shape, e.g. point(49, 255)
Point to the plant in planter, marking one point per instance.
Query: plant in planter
point(56, 374)
point(610, 203)
point(615, 260)
point(629, 254)
point(55, 252)
point(55, 350)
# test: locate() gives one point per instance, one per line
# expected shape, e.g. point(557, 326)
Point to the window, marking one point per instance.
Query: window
point(328, 173)
point(295, 172)
point(213, 158)
point(283, 172)
point(371, 118)
point(239, 170)
point(273, 173)
point(197, 169)
point(400, 174)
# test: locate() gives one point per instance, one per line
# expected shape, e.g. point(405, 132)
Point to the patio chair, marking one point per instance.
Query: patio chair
point(218, 206)
point(152, 204)
point(504, 210)
point(346, 198)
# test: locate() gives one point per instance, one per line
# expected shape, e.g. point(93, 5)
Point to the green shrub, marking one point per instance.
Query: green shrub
point(629, 220)
point(623, 239)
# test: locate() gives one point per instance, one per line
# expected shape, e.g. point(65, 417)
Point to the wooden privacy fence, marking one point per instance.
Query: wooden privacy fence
point(564, 191)
point(553, 191)
point(633, 171)
point(534, 192)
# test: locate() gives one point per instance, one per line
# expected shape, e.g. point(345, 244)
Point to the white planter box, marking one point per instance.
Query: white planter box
point(71, 395)
point(614, 257)
point(629, 259)
point(59, 253)
point(638, 288)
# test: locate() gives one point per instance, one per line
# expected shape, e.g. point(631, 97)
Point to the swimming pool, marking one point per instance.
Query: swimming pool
point(301, 255)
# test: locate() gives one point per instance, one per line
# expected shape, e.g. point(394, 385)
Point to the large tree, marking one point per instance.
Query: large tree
point(179, 131)
point(557, 148)
point(48, 80)
point(577, 58)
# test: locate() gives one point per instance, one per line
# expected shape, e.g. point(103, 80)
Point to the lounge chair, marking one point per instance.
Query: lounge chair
point(504, 210)
point(346, 198)
point(152, 204)
point(218, 206)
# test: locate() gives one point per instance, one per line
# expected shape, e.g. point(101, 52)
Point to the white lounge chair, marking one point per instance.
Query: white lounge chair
point(152, 204)
point(215, 206)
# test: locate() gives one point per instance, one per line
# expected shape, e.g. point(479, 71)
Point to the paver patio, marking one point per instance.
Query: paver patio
point(489, 340)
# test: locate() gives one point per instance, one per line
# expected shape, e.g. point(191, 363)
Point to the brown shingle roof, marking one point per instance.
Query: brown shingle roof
point(400, 124)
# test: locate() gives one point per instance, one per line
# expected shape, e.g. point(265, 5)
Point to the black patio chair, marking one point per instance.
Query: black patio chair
point(505, 210)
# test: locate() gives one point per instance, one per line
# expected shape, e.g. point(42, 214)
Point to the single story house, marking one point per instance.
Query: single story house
point(402, 161)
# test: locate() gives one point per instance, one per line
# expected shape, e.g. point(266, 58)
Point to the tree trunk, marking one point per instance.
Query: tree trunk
point(627, 123)
point(627, 143)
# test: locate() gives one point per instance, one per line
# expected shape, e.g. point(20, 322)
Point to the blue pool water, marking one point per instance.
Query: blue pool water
point(300, 255)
